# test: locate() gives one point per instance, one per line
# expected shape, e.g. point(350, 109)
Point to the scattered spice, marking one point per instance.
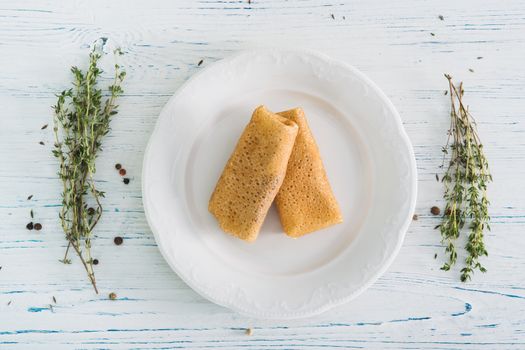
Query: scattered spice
point(42, 143)
point(249, 331)
point(54, 299)
point(200, 62)
point(122, 172)
point(471, 70)
point(38, 226)
point(435, 210)
point(441, 17)
point(344, 17)
point(29, 226)
point(51, 308)
point(432, 34)
point(437, 177)
point(126, 180)
point(29, 197)
point(112, 296)
point(465, 179)
point(95, 262)
point(118, 240)
point(480, 57)
point(415, 217)
point(332, 15)
point(118, 166)
point(9, 302)
point(445, 93)
point(31, 213)
point(43, 127)
point(81, 119)
point(435, 256)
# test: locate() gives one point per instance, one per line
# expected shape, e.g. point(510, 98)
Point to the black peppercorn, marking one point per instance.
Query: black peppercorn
point(118, 166)
point(118, 240)
point(95, 261)
point(126, 180)
point(29, 226)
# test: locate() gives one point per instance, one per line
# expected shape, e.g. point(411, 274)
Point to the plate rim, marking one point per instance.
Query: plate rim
point(402, 231)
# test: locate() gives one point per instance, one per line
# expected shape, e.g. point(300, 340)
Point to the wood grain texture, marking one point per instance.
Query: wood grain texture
point(413, 306)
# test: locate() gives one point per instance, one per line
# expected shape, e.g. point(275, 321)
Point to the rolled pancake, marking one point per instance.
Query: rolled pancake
point(305, 201)
point(253, 175)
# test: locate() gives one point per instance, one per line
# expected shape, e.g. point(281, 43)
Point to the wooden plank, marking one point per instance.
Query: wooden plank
point(414, 305)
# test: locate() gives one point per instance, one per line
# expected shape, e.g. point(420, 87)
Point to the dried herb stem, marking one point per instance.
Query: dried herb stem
point(81, 120)
point(465, 181)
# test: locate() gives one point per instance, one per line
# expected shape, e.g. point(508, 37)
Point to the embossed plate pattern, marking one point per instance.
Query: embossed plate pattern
point(367, 155)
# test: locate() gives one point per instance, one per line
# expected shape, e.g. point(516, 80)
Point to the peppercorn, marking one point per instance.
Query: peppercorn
point(435, 210)
point(118, 240)
point(118, 166)
point(95, 261)
point(38, 226)
point(29, 226)
point(415, 217)
point(122, 172)
point(126, 180)
point(112, 296)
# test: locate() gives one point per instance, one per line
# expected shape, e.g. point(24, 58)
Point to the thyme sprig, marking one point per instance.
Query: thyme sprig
point(465, 179)
point(81, 119)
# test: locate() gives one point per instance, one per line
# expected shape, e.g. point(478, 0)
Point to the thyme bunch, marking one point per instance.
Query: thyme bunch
point(465, 180)
point(82, 116)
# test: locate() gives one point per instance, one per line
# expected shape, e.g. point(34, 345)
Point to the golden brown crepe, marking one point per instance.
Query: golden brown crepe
point(253, 175)
point(305, 201)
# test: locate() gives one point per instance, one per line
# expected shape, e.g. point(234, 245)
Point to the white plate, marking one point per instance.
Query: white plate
point(367, 155)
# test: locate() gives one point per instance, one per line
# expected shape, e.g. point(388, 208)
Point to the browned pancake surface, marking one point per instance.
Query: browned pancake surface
point(253, 175)
point(305, 201)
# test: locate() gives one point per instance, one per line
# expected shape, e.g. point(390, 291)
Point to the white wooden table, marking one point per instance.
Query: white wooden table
point(402, 45)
